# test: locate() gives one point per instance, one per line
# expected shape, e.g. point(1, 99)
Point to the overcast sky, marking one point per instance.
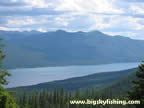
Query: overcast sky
point(115, 17)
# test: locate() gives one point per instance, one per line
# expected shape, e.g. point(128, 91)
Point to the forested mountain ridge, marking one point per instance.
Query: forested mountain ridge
point(36, 49)
point(121, 86)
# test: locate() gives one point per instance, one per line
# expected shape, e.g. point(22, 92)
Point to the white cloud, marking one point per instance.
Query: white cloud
point(98, 22)
point(21, 29)
point(9, 29)
point(135, 21)
point(61, 21)
point(125, 23)
point(117, 25)
point(38, 3)
point(14, 0)
point(64, 19)
point(113, 16)
point(41, 30)
point(20, 21)
point(137, 9)
point(85, 6)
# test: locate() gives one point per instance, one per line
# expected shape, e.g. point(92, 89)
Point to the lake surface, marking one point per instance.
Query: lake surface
point(30, 76)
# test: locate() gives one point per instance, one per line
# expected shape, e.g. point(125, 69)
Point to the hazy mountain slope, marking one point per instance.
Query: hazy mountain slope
point(19, 57)
point(72, 48)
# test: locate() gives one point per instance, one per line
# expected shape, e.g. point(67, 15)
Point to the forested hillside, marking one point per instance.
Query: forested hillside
point(60, 98)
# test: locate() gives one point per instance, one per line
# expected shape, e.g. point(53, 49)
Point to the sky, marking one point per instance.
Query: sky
point(114, 17)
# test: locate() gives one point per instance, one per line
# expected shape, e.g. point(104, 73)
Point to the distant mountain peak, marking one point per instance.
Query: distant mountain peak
point(61, 31)
point(96, 33)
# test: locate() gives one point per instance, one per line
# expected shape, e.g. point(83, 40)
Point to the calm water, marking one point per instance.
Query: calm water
point(30, 76)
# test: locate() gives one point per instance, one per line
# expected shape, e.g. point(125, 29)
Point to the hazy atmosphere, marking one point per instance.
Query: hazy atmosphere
point(114, 17)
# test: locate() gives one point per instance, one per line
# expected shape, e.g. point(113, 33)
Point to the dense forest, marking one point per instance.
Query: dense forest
point(61, 99)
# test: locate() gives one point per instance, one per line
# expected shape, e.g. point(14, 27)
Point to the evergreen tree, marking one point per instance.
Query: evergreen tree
point(138, 91)
point(3, 73)
point(6, 100)
point(37, 104)
point(24, 98)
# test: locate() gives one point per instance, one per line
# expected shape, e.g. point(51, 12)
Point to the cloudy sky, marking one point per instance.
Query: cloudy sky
point(115, 17)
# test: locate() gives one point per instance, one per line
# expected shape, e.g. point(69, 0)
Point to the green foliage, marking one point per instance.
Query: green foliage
point(138, 87)
point(61, 99)
point(3, 73)
point(121, 86)
point(6, 99)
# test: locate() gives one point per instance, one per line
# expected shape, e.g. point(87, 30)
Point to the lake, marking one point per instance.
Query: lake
point(30, 76)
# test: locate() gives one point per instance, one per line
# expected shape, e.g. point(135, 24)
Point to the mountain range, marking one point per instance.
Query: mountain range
point(58, 48)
